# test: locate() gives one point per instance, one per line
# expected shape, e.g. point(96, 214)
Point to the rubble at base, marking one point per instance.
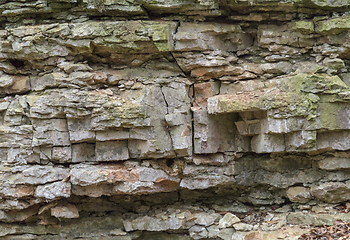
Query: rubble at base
point(191, 119)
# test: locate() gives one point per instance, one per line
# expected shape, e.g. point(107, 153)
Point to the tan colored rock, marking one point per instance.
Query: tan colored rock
point(65, 211)
point(299, 194)
point(228, 220)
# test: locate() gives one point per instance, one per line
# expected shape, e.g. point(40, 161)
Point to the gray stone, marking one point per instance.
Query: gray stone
point(153, 224)
point(111, 151)
point(332, 192)
point(242, 227)
point(54, 190)
point(205, 219)
point(198, 232)
point(333, 163)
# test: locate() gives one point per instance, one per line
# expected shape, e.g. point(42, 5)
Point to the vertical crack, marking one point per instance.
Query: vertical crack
point(165, 124)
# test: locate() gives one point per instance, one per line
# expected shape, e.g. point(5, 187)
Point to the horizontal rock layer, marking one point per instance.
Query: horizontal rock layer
point(193, 119)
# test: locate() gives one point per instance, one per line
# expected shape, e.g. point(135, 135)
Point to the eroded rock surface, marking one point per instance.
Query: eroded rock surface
point(193, 119)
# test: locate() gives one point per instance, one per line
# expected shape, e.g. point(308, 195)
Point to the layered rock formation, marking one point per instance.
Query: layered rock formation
point(173, 119)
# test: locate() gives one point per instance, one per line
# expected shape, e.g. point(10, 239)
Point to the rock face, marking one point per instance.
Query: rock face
point(125, 119)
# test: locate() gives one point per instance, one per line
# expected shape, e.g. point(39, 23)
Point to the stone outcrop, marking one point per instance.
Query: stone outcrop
point(192, 119)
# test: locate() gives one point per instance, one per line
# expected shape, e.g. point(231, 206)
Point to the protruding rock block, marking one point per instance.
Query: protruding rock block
point(267, 143)
point(333, 192)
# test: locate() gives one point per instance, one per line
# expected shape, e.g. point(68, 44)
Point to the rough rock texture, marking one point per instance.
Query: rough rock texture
point(173, 119)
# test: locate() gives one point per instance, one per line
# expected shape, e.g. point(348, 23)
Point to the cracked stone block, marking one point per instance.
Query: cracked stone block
point(83, 152)
point(36, 174)
point(280, 126)
point(267, 143)
point(44, 125)
point(175, 119)
point(228, 220)
point(249, 127)
point(211, 36)
point(80, 130)
point(112, 151)
point(332, 192)
point(45, 153)
point(53, 190)
point(214, 133)
point(182, 140)
point(55, 138)
point(301, 141)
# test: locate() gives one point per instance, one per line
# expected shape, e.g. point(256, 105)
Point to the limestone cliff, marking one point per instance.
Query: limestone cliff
point(173, 119)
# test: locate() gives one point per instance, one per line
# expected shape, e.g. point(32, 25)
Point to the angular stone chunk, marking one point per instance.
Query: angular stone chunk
point(54, 190)
point(112, 151)
point(304, 27)
point(249, 127)
point(213, 133)
point(299, 194)
point(266, 143)
point(80, 130)
point(198, 232)
point(6, 81)
point(332, 192)
point(16, 85)
point(334, 163)
point(62, 154)
point(65, 211)
point(206, 219)
point(301, 141)
point(228, 220)
point(211, 36)
point(17, 216)
point(333, 25)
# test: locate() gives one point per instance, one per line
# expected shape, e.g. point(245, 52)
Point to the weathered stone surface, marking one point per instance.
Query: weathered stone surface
point(198, 232)
point(299, 194)
point(333, 163)
point(228, 220)
point(53, 190)
point(156, 119)
point(332, 192)
point(153, 224)
point(65, 211)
